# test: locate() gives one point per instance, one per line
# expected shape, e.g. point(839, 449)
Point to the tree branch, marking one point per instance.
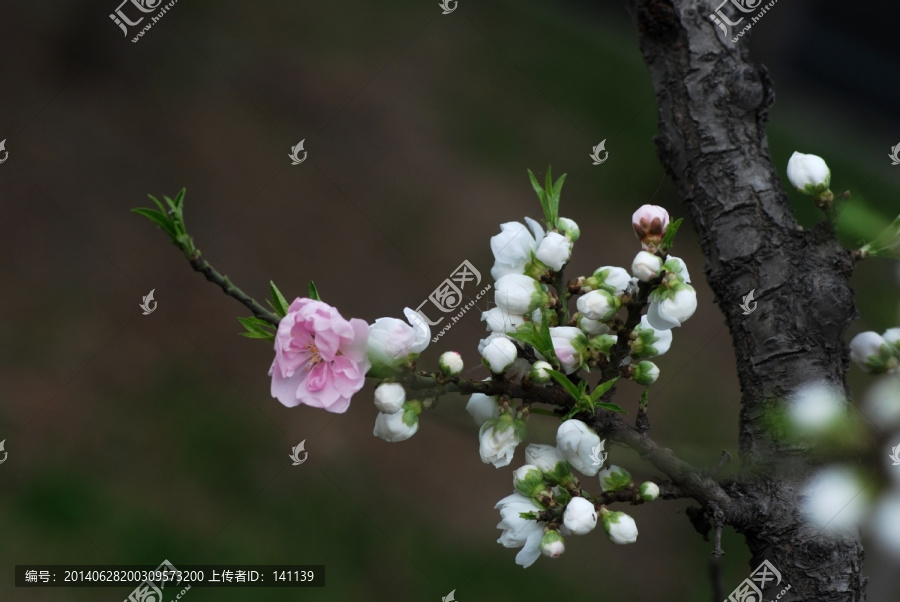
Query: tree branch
point(204, 267)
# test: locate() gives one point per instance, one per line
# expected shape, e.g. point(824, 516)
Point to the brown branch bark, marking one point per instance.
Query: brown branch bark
point(713, 105)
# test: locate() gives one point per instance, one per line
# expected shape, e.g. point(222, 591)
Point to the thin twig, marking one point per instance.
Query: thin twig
point(204, 267)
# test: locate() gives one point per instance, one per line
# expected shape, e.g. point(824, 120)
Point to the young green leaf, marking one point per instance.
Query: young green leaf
point(611, 406)
point(278, 303)
point(566, 384)
point(669, 237)
point(313, 291)
point(645, 397)
point(160, 219)
point(255, 329)
point(602, 388)
point(542, 196)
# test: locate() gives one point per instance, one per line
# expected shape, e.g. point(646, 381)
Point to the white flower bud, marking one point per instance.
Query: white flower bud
point(677, 266)
point(570, 346)
point(554, 251)
point(646, 266)
point(517, 294)
point(482, 408)
point(580, 517)
point(881, 403)
point(569, 228)
point(551, 462)
point(389, 397)
point(577, 442)
point(892, 337)
point(592, 327)
point(834, 500)
point(809, 174)
point(649, 491)
point(873, 353)
point(674, 307)
point(645, 373)
point(552, 544)
point(398, 426)
point(620, 527)
point(614, 478)
point(610, 278)
point(512, 249)
point(539, 372)
point(598, 305)
point(451, 363)
point(500, 321)
point(650, 342)
point(528, 480)
point(499, 354)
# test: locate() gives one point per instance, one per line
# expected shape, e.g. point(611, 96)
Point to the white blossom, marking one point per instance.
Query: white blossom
point(834, 501)
point(577, 442)
point(498, 439)
point(518, 531)
point(500, 321)
point(674, 308)
point(554, 251)
point(482, 408)
point(394, 427)
point(389, 397)
point(450, 363)
point(580, 517)
point(517, 294)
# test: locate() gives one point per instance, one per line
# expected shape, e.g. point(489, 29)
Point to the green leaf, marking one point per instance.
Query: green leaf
point(566, 384)
point(669, 237)
point(547, 349)
point(255, 329)
point(313, 291)
point(278, 302)
point(542, 195)
point(645, 397)
point(611, 406)
point(160, 219)
point(162, 208)
point(553, 201)
point(602, 388)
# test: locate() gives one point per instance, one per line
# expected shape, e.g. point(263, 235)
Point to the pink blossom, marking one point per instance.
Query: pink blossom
point(320, 358)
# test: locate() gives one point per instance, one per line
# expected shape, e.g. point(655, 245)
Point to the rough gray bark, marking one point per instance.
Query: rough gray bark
point(713, 105)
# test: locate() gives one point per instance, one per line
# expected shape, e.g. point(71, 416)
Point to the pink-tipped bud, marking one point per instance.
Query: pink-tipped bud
point(650, 223)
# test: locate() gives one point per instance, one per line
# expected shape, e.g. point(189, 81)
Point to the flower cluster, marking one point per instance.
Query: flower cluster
point(550, 504)
point(620, 320)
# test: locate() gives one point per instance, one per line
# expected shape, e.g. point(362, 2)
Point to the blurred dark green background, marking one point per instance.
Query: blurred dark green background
point(136, 438)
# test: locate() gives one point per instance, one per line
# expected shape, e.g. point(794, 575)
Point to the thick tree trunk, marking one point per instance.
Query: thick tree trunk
point(713, 107)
